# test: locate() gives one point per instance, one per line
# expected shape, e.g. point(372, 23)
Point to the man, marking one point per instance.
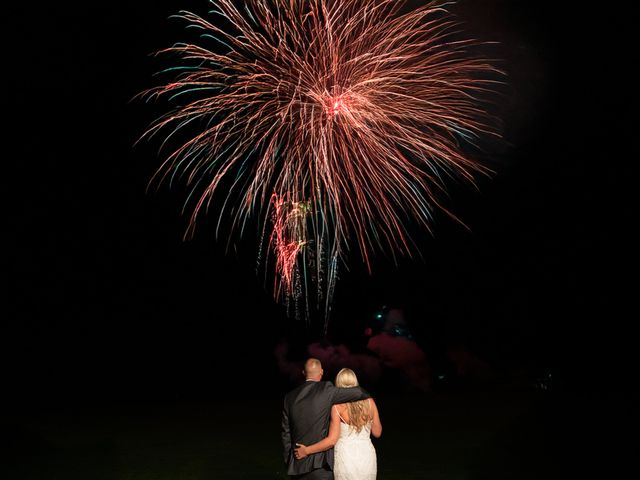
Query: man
point(305, 419)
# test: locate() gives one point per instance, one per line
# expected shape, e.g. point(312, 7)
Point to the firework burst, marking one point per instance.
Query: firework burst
point(337, 122)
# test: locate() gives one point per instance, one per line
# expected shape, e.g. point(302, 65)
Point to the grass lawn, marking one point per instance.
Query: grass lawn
point(455, 436)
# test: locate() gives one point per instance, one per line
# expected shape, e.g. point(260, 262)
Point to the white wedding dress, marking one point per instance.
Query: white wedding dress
point(354, 454)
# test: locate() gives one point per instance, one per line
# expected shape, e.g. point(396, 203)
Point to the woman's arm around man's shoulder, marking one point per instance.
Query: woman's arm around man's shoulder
point(326, 443)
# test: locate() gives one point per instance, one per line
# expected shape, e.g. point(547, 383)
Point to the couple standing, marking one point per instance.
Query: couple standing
point(318, 416)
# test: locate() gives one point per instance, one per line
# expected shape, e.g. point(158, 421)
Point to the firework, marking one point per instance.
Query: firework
point(333, 123)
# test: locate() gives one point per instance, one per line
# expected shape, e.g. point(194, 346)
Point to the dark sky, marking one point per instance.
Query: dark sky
point(105, 299)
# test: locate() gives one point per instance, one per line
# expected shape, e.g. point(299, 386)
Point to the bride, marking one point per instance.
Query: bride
point(350, 430)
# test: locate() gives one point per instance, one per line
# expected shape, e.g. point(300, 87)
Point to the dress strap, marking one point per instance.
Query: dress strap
point(338, 412)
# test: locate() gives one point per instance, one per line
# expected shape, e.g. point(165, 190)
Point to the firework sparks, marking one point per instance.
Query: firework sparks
point(343, 118)
point(287, 240)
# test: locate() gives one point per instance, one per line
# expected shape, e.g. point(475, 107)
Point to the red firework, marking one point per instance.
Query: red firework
point(355, 109)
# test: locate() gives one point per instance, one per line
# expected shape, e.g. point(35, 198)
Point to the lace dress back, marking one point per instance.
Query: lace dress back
point(354, 454)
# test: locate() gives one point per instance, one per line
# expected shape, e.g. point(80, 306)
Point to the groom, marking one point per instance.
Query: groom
point(305, 419)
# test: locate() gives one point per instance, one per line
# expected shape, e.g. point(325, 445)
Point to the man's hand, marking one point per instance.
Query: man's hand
point(300, 451)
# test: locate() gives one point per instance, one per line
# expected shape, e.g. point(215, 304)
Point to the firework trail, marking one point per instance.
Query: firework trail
point(335, 123)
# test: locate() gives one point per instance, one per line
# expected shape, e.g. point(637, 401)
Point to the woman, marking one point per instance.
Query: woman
point(350, 430)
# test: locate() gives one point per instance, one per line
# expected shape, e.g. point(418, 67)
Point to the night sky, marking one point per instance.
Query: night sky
point(107, 302)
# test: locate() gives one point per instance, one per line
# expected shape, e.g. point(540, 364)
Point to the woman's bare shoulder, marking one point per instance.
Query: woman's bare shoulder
point(343, 410)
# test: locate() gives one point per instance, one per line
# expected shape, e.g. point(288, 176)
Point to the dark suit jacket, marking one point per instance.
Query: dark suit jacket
point(305, 419)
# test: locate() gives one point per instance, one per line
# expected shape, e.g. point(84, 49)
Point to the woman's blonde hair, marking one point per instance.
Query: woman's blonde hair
point(359, 412)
